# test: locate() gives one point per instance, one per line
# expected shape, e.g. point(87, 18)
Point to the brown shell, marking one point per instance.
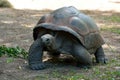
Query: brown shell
point(70, 20)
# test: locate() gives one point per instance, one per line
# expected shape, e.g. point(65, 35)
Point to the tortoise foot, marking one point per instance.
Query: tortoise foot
point(37, 66)
point(102, 60)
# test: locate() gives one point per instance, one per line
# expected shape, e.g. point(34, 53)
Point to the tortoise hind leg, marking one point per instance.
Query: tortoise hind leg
point(100, 56)
point(35, 55)
point(82, 55)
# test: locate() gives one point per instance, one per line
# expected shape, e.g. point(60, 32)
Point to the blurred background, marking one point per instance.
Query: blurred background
point(102, 5)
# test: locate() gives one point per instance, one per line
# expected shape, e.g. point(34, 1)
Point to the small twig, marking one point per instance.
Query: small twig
point(110, 47)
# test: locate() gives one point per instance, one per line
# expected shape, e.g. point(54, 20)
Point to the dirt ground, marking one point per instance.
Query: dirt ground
point(16, 30)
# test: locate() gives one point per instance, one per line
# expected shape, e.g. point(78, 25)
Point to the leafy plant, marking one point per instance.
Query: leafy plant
point(13, 52)
point(5, 3)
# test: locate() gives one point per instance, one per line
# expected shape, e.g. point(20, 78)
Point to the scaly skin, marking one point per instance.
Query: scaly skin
point(74, 48)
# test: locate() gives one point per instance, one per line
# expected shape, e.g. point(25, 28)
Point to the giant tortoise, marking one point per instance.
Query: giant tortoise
point(66, 31)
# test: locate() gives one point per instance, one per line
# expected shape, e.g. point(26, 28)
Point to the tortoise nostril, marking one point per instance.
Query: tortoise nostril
point(47, 39)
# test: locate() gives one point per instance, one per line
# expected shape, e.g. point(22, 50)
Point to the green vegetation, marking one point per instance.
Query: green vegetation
point(13, 52)
point(9, 60)
point(111, 29)
point(96, 74)
point(113, 18)
point(5, 3)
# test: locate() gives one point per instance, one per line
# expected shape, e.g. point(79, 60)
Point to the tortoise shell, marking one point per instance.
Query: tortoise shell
point(71, 20)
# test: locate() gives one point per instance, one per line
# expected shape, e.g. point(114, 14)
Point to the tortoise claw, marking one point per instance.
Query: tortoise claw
point(37, 66)
point(102, 60)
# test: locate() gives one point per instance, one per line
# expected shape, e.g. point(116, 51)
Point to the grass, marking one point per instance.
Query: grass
point(113, 18)
point(58, 75)
point(111, 29)
point(5, 3)
point(95, 73)
point(13, 52)
point(98, 72)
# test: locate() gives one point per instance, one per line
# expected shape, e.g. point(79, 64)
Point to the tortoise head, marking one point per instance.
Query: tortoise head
point(48, 41)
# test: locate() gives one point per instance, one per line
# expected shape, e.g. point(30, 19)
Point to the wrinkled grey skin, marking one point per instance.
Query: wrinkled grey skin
point(60, 42)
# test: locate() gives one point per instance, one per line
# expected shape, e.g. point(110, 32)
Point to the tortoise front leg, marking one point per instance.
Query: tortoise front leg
point(35, 55)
